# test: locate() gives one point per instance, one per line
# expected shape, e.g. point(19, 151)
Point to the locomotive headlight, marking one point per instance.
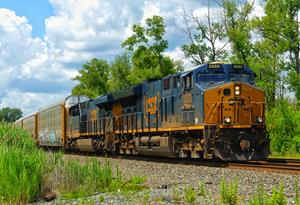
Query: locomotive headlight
point(237, 90)
point(227, 120)
point(259, 119)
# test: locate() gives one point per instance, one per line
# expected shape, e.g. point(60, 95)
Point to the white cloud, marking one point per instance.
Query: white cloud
point(177, 54)
point(26, 63)
point(37, 71)
point(31, 100)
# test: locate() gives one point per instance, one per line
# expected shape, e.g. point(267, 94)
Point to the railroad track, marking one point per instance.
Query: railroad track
point(289, 166)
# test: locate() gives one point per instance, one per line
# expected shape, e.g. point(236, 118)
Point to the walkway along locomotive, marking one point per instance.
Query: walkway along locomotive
point(212, 111)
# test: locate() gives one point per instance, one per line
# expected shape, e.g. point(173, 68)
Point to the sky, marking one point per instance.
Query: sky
point(44, 43)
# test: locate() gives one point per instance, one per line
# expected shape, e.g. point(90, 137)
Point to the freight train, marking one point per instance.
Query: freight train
point(213, 111)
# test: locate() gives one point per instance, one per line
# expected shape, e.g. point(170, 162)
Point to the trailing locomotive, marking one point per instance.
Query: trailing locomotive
point(211, 111)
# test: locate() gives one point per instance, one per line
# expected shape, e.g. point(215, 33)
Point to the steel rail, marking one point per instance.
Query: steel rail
point(286, 166)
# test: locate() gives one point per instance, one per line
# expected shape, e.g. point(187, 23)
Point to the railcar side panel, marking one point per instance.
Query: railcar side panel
point(51, 126)
point(30, 124)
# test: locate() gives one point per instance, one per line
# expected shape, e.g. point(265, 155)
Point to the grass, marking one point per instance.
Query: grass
point(202, 189)
point(176, 194)
point(229, 192)
point(80, 180)
point(25, 171)
point(190, 194)
point(285, 156)
point(22, 166)
point(296, 190)
point(276, 198)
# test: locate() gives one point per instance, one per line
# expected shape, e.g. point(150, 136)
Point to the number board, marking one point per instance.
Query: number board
point(237, 66)
point(214, 66)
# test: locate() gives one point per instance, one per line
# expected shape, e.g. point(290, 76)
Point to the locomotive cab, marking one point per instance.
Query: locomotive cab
point(234, 115)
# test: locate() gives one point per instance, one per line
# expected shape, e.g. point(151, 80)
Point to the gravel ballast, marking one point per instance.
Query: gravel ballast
point(167, 181)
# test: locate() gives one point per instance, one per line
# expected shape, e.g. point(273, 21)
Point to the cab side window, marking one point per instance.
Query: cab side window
point(166, 83)
point(187, 82)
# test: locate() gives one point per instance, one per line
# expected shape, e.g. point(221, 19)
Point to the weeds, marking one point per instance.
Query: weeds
point(296, 190)
point(22, 166)
point(259, 197)
point(278, 197)
point(190, 194)
point(175, 194)
point(229, 192)
point(101, 199)
point(79, 180)
point(25, 171)
point(202, 189)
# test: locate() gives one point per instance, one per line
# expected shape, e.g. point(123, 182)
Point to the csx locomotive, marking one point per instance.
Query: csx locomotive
point(212, 111)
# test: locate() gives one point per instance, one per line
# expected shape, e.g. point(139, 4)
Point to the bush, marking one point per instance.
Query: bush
point(284, 128)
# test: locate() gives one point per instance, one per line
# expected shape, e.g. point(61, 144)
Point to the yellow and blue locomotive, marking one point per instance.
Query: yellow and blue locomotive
point(212, 111)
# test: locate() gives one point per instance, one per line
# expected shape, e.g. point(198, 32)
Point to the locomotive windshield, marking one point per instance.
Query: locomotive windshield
point(242, 77)
point(213, 74)
point(210, 77)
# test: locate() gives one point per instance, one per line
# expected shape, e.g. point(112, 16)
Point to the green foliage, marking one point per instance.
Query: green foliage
point(236, 20)
point(120, 70)
point(92, 78)
point(296, 190)
point(22, 166)
point(283, 127)
point(189, 194)
point(147, 46)
point(26, 170)
point(10, 114)
point(294, 82)
point(202, 189)
point(260, 197)
point(279, 29)
point(74, 179)
point(101, 199)
point(229, 192)
point(176, 194)
point(277, 197)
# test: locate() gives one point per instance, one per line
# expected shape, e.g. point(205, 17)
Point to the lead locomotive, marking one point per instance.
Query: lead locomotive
point(212, 111)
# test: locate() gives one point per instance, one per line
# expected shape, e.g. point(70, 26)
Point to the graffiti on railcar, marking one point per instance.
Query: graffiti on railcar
point(49, 137)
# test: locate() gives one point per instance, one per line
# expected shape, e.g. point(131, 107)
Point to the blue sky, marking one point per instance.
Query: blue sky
point(36, 11)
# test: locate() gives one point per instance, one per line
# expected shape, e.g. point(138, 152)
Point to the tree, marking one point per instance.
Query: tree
point(237, 25)
point(10, 114)
point(204, 38)
point(120, 71)
point(93, 79)
point(281, 25)
point(147, 46)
